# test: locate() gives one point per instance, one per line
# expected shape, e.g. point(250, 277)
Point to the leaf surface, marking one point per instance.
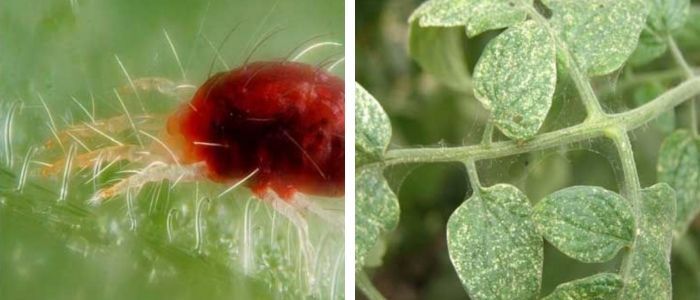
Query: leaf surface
point(679, 166)
point(515, 78)
point(494, 245)
point(601, 286)
point(587, 223)
point(476, 15)
point(647, 269)
point(372, 127)
point(439, 51)
point(668, 15)
point(376, 211)
point(600, 34)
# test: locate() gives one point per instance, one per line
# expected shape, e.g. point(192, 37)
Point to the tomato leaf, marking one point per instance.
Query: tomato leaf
point(372, 128)
point(494, 245)
point(648, 272)
point(679, 166)
point(515, 78)
point(601, 286)
point(587, 223)
point(476, 15)
point(376, 211)
point(651, 46)
point(600, 34)
point(439, 51)
point(668, 15)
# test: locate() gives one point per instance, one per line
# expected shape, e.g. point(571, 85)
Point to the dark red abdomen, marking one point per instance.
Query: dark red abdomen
point(284, 119)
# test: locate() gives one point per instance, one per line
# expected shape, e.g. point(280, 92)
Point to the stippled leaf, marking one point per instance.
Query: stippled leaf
point(587, 223)
point(664, 16)
point(602, 286)
point(601, 34)
point(494, 245)
point(372, 127)
point(679, 166)
point(476, 15)
point(439, 51)
point(648, 272)
point(667, 15)
point(515, 78)
point(376, 211)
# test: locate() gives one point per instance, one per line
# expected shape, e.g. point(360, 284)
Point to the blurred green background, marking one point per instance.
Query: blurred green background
point(166, 243)
point(426, 113)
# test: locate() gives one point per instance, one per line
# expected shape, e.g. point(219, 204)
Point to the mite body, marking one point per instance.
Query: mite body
point(275, 126)
point(283, 121)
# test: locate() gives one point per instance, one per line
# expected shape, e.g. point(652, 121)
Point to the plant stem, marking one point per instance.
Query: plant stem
point(678, 57)
point(473, 176)
point(631, 189)
point(583, 85)
point(365, 285)
point(589, 129)
point(680, 60)
point(488, 133)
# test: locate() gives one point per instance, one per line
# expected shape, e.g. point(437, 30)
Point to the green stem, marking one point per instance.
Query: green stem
point(488, 133)
point(473, 176)
point(583, 85)
point(678, 57)
point(587, 130)
point(366, 286)
point(631, 188)
point(683, 64)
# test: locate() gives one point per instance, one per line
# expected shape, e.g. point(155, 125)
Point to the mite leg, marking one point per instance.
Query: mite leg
point(298, 220)
point(107, 154)
point(332, 217)
point(154, 172)
point(105, 129)
point(161, 85)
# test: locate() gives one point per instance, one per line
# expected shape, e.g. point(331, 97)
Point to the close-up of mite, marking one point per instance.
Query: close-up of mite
point(172, 150)
point(276, 127)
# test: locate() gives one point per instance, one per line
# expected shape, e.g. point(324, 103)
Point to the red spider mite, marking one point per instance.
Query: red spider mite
point(282, 120)
point(278, 126)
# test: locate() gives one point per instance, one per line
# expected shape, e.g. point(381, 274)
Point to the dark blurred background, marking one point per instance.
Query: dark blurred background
point(424, 112)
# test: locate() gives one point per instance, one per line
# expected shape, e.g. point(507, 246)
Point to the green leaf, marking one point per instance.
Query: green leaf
point(647, 270)
point(587, 223)
point(668, 15)
point(372, 127)
point(651, 46)
point(494, 245)
point(601, 34)
point(376, 211)
point(439, 51)
point(515, 78)
point(476, 15)
point(679, 166)
point(601, 286)
point(688, 37)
